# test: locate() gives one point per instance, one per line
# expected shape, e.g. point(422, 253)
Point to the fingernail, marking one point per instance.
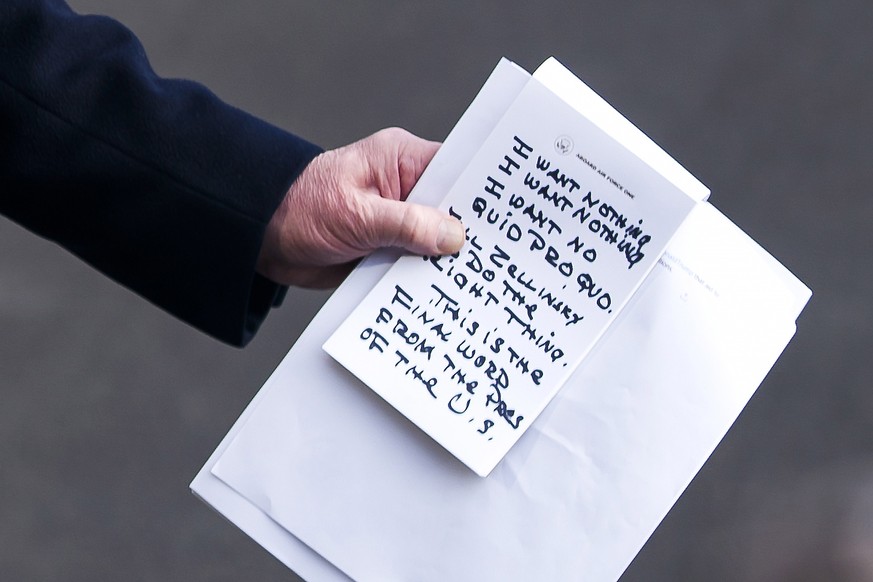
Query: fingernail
point(450, 238)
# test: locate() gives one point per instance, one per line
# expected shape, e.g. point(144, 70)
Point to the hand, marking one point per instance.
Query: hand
point(349, 202)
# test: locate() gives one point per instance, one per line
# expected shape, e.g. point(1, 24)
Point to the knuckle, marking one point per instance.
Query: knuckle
point(413, 225)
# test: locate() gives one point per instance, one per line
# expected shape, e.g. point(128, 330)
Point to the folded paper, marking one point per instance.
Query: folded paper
point(338, 484)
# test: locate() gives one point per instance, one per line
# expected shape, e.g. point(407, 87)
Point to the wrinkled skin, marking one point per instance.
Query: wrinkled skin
point(349, 202)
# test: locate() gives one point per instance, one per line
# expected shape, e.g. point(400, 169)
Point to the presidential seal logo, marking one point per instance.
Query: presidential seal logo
point(564, 145)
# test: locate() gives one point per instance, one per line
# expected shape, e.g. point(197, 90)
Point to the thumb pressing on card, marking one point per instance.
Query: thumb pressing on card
point(349, 202)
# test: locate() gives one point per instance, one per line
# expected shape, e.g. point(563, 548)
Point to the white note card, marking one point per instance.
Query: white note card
point(563, 223)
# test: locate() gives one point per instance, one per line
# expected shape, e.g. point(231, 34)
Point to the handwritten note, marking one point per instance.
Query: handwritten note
point(563, 223)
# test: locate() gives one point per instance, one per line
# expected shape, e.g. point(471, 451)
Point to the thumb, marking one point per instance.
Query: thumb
point(422, 230)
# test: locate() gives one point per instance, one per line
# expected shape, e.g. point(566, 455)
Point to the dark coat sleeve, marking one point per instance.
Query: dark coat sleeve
point(154, 182)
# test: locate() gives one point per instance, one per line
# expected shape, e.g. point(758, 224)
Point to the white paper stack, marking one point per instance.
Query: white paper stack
point(337, 484)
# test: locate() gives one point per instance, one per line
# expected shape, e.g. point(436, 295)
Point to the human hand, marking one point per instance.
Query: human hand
point(349, 202)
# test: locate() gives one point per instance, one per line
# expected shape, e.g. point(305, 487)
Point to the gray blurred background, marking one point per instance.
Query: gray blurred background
point(109, 406)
